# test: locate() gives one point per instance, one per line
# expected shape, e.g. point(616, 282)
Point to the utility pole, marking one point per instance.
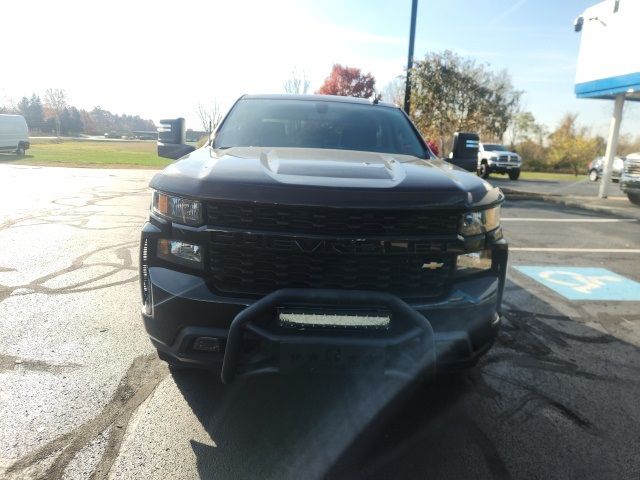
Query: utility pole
point(412, 40)
point(612, 145)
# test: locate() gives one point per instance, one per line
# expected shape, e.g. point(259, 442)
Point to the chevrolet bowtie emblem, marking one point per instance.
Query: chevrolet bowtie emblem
point(432, 265)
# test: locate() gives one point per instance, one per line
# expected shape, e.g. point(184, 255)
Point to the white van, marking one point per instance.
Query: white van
point(14, 134)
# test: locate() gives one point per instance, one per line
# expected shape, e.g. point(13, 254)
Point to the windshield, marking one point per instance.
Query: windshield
point(318, 124)
point(494, 147)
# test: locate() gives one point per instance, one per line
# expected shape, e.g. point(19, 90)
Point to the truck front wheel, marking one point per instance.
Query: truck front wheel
point(514, 174)
point(634, 198)
point(483, 170)
point(20, 151)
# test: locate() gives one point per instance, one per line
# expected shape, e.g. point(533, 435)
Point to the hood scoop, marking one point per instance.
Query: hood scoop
point(343, 165)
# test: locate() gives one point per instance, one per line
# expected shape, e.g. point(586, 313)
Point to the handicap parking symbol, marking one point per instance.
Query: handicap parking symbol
point(585, 283)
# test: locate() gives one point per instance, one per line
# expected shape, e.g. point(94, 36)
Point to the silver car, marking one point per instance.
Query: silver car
point(596, 169)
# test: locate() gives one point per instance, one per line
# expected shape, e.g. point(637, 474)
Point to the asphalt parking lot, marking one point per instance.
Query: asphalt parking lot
point(82, 394)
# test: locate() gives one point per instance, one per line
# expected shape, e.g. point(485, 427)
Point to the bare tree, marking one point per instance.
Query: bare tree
point(393, 91)
point(55, 99)
point(8, 105)
point(209, 116)
point(298, 83)
point(521, 126)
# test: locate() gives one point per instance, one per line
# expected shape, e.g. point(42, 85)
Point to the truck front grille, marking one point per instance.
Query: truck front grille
point(330, 221)
point(632, 167)
point(245, 264)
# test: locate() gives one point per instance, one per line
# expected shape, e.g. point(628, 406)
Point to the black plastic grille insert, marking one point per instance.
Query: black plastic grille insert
point(245, 268)
point(331, 221)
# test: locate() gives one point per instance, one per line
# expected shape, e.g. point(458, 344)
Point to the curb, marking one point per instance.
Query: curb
point(572, 202)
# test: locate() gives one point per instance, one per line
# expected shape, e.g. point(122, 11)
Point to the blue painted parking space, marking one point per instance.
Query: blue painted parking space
point(576, 283)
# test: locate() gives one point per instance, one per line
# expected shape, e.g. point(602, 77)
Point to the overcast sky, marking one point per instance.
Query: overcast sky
point(160, 59)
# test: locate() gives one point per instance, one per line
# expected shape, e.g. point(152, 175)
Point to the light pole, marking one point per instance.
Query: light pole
point(412, 39)
point(612, 146)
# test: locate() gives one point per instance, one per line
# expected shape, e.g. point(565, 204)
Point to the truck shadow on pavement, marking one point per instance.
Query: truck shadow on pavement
point(555, 398)
point(281, 426)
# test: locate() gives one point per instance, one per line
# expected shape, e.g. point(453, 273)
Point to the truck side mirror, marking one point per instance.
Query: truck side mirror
point(465, 150)
point(172, 139)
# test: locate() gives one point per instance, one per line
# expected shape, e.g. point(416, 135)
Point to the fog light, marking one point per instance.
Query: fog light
point(208, 344)
point(183, 253)
point(474, 262)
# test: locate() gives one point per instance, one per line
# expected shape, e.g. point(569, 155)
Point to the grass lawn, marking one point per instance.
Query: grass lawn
point(142, 154)
point(88, 153)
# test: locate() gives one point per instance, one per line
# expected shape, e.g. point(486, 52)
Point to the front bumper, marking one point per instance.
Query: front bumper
point(449, 333)
point(503, 167)
point(629, 184)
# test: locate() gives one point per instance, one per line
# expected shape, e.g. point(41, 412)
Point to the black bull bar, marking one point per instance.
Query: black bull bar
point(409, 330)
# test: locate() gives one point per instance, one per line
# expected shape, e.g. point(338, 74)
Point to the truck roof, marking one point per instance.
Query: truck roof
point(317, 98)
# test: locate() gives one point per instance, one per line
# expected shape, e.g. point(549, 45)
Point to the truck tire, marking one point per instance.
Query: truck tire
point(483, 170)
point(593, 175)
point(514, 174)
point(20, 151)
point(634, 198)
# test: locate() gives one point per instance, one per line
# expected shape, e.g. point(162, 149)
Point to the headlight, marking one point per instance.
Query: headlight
point(494, 158)
point(182, 253)
point(475, 262)
point(177, 209)
point(482, 221)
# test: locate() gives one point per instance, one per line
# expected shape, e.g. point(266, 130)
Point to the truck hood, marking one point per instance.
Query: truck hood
point(323, 177)
point(500, 152)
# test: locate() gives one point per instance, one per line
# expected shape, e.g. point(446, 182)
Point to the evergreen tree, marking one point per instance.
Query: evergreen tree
point(35, 117)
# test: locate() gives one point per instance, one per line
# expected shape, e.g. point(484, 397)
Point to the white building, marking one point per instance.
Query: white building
point(609, 63)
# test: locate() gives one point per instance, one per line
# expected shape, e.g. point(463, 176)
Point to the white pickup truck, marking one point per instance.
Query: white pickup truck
point(495, 158)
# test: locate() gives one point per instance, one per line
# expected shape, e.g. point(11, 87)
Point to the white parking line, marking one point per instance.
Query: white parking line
point(570, 220)
point(576, 250)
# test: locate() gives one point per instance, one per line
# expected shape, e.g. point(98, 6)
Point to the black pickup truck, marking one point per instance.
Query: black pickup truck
point(318, 233)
